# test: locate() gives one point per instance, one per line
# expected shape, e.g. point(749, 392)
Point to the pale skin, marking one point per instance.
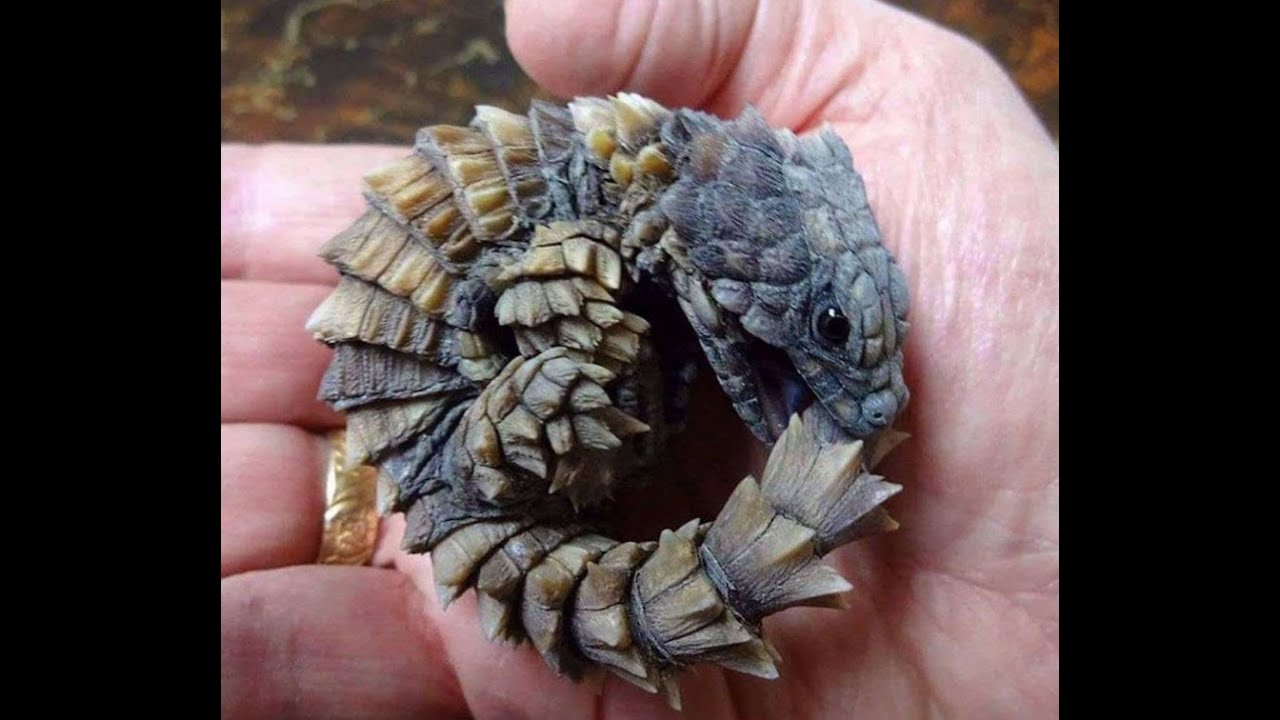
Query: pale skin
point(954, 615)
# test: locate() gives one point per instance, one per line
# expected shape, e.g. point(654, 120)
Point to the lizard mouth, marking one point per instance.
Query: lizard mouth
point(779, 386)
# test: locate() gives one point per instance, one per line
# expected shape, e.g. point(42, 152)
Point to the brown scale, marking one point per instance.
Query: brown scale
point(462, 226)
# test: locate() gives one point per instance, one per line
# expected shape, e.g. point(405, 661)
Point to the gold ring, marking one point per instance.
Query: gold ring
point(350, 515)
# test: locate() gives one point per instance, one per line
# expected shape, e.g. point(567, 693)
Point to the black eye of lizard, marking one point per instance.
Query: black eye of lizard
point(833, 325)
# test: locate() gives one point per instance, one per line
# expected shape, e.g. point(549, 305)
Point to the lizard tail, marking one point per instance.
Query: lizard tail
point(643, 611)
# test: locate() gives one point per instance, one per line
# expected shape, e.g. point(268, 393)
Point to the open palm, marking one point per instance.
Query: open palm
point(956, 614)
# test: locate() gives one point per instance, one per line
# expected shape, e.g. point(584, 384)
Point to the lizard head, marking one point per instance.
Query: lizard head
point(778, 265)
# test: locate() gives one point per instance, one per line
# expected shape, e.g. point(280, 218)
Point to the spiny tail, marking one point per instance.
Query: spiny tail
point(645, 610)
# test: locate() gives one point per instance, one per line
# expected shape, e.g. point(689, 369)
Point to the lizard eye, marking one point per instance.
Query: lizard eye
point(833, 325)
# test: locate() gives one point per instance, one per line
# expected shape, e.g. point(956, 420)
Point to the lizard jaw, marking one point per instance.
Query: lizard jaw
point(780, 388)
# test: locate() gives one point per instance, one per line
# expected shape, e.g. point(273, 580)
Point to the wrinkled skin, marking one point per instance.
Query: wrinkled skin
point(954, 615)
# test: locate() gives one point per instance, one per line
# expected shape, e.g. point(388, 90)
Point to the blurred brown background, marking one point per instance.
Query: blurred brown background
point(376, 70)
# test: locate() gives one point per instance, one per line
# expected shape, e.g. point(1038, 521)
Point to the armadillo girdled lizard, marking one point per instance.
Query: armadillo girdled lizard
point(499, 357)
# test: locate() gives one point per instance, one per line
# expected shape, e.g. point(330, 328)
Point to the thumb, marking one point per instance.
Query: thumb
point(793, 60)
point(678, 52)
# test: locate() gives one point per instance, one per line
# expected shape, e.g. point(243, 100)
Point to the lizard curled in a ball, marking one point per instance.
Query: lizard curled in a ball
point(500, 358)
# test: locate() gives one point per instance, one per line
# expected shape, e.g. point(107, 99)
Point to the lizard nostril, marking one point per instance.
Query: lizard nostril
point(880, 408)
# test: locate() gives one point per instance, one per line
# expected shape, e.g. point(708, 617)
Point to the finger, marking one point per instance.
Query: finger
point(271, 366)
point(272, 496)
point(528, 688)
point(280, 203)
point(497, 680)
point(323, 641)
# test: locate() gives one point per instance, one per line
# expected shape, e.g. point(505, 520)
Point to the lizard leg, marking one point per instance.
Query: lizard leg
point(545, 424)
point(563, 292)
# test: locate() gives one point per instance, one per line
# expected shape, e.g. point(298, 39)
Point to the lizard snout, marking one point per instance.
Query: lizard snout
point(880, 408)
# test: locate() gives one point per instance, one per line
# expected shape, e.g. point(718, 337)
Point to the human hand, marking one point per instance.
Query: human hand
point(957, 613)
